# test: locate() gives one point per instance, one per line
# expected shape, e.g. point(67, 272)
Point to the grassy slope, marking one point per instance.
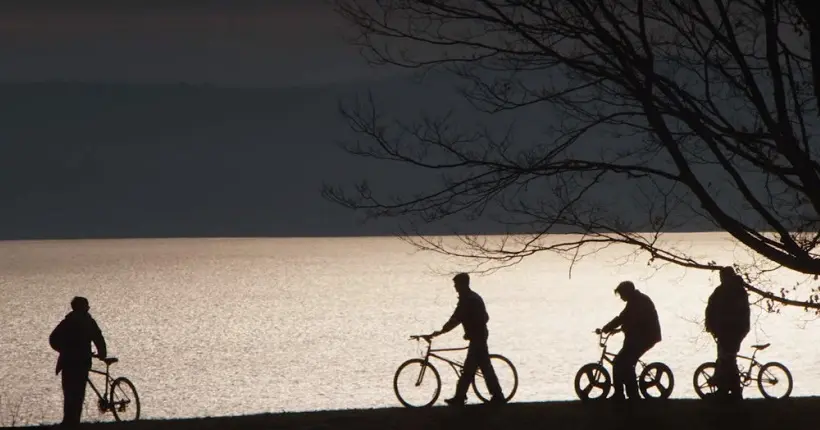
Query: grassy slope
point(793, 414)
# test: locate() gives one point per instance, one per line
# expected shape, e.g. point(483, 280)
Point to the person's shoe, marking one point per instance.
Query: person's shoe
point(455, 401)
point(634, 396)
point(498, 400)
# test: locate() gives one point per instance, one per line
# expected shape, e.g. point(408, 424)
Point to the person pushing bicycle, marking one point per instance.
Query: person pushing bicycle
point(72, 338)
point(471, 313)
point(642, 330)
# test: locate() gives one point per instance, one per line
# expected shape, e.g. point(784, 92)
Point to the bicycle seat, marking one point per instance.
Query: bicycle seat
point(761, 347)
point(110, 360)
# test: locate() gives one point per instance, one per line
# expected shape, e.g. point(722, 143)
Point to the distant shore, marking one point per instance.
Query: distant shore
point(792, 414)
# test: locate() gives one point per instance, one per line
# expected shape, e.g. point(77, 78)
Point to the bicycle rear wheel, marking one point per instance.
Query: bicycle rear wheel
point(656, 381)
point(507, 378)
point(417, 383)
point(124, 403)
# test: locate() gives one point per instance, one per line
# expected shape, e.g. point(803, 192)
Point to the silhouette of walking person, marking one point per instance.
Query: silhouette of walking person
point(642, 330)
point(471, 313)
point(72, 338)
point(727, 320)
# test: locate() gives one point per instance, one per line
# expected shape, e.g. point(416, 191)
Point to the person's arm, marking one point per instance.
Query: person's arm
point(617, 321)
point(612, 325)
point(452, 323)
point(55, 339)
point(99, 340)
point(709, 321)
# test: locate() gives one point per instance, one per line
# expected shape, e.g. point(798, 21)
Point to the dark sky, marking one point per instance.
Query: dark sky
point(98, 139)
point(236, 43)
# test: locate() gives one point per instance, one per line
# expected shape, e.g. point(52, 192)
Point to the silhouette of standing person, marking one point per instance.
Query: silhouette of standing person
point(727, 319)
point(72, 338)
point(471, 313)
point(642, 330)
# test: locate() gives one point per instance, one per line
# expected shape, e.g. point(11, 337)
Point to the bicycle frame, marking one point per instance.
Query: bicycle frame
point(455, 365)
point(103, 404)
point(607, 356)
point(746, 377)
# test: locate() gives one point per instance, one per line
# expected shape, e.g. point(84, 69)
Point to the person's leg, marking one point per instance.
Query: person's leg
point(624, 370)
point(74, 381)
point(731, 375)
point(483, 360)
point(726, 367)
point(718, 378)
point(68, 397)
point(639, 350)
point(467, 376)
point(618, 381)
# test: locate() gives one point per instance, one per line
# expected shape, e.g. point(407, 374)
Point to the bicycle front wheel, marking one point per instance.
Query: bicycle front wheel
point(704, 380)
point(774, 381)
point(417, 383)
point(657, 381)
point(507, 378)
point(592, 382)
point(125, 403)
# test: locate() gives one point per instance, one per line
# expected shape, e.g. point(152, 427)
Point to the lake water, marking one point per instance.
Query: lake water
point(207, 327)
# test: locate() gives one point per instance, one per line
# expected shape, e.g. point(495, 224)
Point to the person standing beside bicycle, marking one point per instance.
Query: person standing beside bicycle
point(727, 320)
point(642, 330)
point(471, 313)
point(72, 338)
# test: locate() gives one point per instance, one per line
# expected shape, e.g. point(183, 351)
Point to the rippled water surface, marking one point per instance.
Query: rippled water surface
point(208, 327)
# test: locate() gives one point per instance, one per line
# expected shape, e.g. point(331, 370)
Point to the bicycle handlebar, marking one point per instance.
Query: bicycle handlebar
point(599, 331)
point(426, 337)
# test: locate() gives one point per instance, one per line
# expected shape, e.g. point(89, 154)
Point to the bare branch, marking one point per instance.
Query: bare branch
point(696, 111)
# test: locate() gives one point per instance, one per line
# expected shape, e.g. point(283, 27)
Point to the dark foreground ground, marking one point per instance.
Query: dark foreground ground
point(798, 413)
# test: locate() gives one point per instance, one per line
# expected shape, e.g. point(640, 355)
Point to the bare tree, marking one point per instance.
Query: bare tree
point(693, 110)
point(810, 19)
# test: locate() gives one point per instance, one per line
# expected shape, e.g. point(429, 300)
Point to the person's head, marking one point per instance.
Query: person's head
point(461, 282)
point(80, 304)
point(625, 290)
point(727, 275)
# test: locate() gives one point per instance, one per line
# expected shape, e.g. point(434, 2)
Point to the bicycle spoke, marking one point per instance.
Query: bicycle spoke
point(597, 380)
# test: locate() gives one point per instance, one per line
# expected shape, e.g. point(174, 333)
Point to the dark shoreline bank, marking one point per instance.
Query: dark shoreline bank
point(792, 414)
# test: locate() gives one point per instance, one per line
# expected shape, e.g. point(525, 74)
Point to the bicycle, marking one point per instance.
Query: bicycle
point(415, 369)
point(119, 395)
point(656, 380)
point(767, 376)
